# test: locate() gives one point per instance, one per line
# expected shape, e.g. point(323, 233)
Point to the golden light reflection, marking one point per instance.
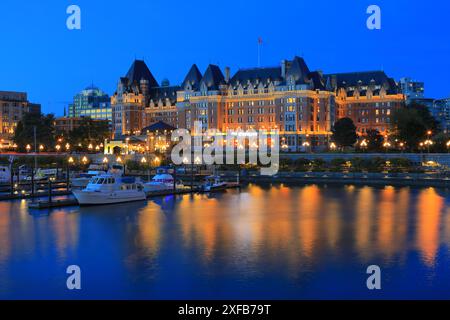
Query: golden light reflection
point(65, 229)
point(429, 208)
point(364, 222)
point(150, 224)
point(309, 206)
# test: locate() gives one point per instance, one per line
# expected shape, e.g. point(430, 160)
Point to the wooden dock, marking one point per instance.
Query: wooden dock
point(45, 204)
point(53, 204)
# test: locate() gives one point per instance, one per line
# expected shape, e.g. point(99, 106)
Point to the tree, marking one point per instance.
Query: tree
point(374, 140)
point(410, 125)
point(45, 131)
point(89, 132)
point(344, 133)
point(424, 113)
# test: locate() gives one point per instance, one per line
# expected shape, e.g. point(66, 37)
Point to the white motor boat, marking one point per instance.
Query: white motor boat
point(83, 179)
point(214, 183)
point(162, 181)
point(109, 189)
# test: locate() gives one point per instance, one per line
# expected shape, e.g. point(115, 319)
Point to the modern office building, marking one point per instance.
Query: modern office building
point(13, 105)
point(91, 102)
point(441, 112)
point(412, 89)
point(140, 101)
point(368, 98)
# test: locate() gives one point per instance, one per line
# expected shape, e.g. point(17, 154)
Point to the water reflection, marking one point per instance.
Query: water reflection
point(278, 232)
point(429, 210)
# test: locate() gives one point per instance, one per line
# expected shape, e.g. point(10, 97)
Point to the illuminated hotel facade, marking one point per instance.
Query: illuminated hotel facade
point(302, 104)
point(290, 98)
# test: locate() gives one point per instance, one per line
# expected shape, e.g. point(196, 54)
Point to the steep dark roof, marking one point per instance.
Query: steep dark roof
point(139, 71)
point(164, 93)
point(193, 77)
point(298, 70)
point(365, 78)
point(243, 76)
point(213, 77)
point(318, 81)
point(157, 126)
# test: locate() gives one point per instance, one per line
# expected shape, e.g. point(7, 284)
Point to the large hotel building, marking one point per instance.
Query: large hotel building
point(302, 104)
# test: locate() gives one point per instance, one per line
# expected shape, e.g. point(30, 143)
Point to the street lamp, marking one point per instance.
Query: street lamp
point(58, 148)
point(363, 144)
point(84, 160)
point(28, 147)
point(333, 146)
point(71, 161)
point(90, 146)
point(428, 143)
point(119, 160)
point(387, 145)
point(306, 145)
point(41, 147)
point(67, 146)
point(105, 160)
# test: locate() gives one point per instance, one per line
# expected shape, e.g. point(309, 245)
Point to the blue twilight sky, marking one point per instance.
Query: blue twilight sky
point(41, 56)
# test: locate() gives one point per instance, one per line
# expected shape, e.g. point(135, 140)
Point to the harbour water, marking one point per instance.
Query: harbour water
point(263, 242)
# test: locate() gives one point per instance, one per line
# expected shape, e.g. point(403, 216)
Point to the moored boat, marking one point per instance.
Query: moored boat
point(110, 189)
point(214, 183)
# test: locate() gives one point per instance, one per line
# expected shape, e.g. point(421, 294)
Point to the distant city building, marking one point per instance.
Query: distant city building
point(441, 111)
point(68, 124)
point(140, 101)
point(13, 105)
point(368, 98)
point(412, 89)
point(91, 102)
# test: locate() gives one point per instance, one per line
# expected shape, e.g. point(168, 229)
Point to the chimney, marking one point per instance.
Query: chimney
point(227, 74)
point(283, 69)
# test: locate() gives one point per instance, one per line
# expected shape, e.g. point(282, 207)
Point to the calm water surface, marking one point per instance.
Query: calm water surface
point(265, 242)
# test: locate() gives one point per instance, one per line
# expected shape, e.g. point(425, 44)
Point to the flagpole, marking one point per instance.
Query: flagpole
point(259, 52)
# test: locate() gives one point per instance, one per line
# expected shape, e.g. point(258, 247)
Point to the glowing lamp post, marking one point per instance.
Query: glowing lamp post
point(428, 143)
point(363, 145)
point(333, 146)
point(58, 148)
point(448, 146)
point(41, 148)
point(28, 147)
point(387, 145)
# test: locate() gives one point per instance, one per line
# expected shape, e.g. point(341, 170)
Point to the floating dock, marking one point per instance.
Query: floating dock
point(53, 204)
point(45, 204)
